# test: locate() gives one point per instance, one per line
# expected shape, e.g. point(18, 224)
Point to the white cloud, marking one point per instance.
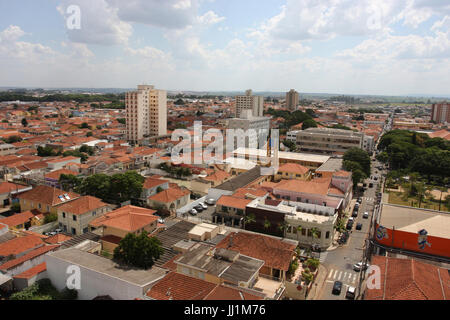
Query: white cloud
point(11, 33)
point(210, 17)
point(100, 23)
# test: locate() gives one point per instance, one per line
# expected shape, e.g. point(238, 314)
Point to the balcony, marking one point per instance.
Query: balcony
point(272, 287)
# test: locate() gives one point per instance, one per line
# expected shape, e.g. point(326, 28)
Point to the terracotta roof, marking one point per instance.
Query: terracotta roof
point(275, 253)
point(57, 238)
point(312, 187)
point(218, 175)
point(19, 245)
point(409, 279)
point(293, 168)
point(250, 192)
point(82, 205)
point(54, 175)
point(342, 173)
point(47, 195)
point(233, 202)
point(30, 255)
point(152, 182)
point(177, 286)
point(169, 195)
point(226, 293)
point(17, 219)
point(28, 274)
point(7, 187)
point(128, 218)
point(63, 159)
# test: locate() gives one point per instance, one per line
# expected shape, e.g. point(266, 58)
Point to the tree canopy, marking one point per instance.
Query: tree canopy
point(140, 251)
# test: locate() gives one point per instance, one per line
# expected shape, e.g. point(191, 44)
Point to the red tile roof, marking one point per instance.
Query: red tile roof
point(293, 168)
point(128, 218)
point(47, 195)
point(170, 195)
point(54, 175)
point(30, 255)
point(177, 286)
point(226, 293)
point(57, 238)
point(275, 253)
point(28, 274)
point(7, 187)
point(409, 279)
point(18, 245)
point(233, 202)
point(152, 182)
point(17, 219)
point(82, 205)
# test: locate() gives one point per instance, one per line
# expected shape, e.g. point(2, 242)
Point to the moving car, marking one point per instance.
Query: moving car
point(359, 226)
point(351, 291)
point(360, 266)
point(337, 287)
point(366, 215)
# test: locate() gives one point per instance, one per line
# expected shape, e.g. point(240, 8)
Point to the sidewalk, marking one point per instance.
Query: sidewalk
point(320, 280)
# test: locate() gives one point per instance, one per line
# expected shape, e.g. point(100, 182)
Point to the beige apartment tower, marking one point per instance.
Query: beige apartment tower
point(250, 102)
point(292, 99)
point(146, 113)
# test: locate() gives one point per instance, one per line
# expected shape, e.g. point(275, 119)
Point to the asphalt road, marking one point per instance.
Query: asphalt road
point(339, 262)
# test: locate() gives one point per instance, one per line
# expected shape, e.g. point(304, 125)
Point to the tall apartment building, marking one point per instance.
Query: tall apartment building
point(328, 141)
point(146, 113)
point(440, 112)
point(292, 99)
point(250, 102)
point(248, 121)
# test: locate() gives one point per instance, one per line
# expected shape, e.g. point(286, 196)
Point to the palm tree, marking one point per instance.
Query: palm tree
point(283, 227)
point(266, 224)
point(314, 233)
point(299, 229)
point(249, 219)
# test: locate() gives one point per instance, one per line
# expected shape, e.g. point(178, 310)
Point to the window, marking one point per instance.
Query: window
point(39, 205)
point(74, 232)
point(63, 214)
point(327, 235)
point(74, 217)
point(94, 213)
point(299, 199)
point(85, 230)
point(303, 232)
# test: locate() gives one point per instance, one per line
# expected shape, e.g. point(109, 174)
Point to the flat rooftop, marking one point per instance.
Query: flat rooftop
point(331, 165)
point(296, 156)
point(106, 266)
point(408, 219)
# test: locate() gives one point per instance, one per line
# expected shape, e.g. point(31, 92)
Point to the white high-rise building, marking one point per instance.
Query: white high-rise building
point(146, 113)
point(292, 99)
point(250, 102)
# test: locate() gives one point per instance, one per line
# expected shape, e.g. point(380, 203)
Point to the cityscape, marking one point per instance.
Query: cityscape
point(181, 171)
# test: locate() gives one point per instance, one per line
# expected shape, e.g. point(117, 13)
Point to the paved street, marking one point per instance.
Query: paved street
point(339, 262)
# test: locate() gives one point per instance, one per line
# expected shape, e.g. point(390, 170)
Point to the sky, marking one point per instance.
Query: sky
point(382, 47)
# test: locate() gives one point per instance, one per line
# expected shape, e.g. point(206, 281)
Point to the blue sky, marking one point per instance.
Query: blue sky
point(338, 46)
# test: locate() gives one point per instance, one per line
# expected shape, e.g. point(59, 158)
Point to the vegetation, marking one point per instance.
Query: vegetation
point(48, 151)
point(340, 126)
point(44, 290)
point(176, 171)
point(122, 120)
point(416, 152)
point(51, 217)
point(69, 182)
point(15, 207)
point(291, 118)
point(13, 139)
point(138, 251)
point(309, 123)
point(291, 145)
point(358, 162)
point(24, 122)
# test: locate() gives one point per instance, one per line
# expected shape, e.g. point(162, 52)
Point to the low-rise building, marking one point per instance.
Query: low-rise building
point(74, 217)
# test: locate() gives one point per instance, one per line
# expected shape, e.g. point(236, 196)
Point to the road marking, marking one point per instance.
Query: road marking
point(330, 274)
point(340, 274)
point(349, 276)
point(354, 278)
point(335, 274)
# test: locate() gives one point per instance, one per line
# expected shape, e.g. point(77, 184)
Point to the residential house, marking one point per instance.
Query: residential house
point(170, 199)
point(74, 217)
point(292, 171)
point(116, 224)
point(8, 190)
point(52, 178)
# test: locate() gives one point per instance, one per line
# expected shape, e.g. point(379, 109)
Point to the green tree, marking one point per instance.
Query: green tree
point(138, 251)
point(249, 219)
point(85, 125)
point(266, 224)
point(309, 123)
point(359, 156)
point(69, 182)
point(122, 120)
point(24, 122)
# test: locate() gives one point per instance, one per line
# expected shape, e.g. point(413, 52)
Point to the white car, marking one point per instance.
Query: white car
point(350, 294)
point(366, 215)
point(193, 212)
point(204, 206)
point(360, 266)
point(211, 202)
point(160, 220)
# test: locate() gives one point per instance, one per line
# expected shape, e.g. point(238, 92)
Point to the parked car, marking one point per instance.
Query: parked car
point(210, 202)
point(199, 208)
point(193, 212)
point(337, 287)
point(366, 215)
point(349, 225)
point(160, 220)
point(355, 214)
point(359, 200)
point(359, 226)
point(351, 291)
point(204, 205)
point(360, 266)
point(371, 185)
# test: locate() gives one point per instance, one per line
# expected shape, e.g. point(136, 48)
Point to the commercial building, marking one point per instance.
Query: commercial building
point(258, 125)
point(146, 111)
point(440, 112)
point(250, 102)
point(292, 99)
point(329, 141)
point(413, 230)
